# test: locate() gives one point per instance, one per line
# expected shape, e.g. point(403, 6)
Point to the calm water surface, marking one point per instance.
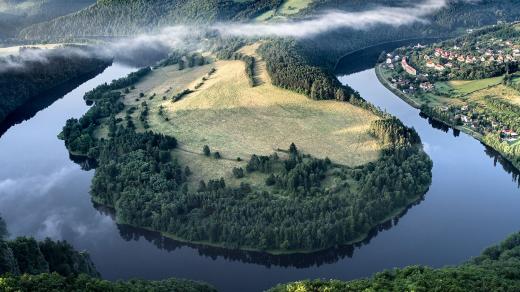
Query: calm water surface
point(474, 202)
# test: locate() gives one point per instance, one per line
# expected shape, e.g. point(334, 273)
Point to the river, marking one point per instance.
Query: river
point(474, 202)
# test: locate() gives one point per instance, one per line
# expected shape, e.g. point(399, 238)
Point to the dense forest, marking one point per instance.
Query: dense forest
point(25, 255)
point(111, 17)
point(18, 14)
point(56, 282)
point(121, 18)
point(496, 269)
point(34, 72)
point(295, 209)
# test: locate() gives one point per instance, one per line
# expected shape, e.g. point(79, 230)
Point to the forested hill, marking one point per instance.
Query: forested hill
point(17, 14)
point(497, 269)
point(118, 17)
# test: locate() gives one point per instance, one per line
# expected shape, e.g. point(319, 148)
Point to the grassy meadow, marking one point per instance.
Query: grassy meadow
point(288, 8)
point(238, 120)
point(465, 87)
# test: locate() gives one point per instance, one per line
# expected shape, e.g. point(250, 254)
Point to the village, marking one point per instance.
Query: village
point(416, 70)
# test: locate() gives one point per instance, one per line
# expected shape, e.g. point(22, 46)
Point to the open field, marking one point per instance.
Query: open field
point(464, 87)
point(500, 91)
point(288, 8)
point(237, 120)
point(293, 6)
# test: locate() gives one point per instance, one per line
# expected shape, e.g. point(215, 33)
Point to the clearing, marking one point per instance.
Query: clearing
point(288, 8)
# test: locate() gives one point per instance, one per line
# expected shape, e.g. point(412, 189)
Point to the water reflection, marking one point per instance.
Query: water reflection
point(31, 108)
point(507, 166)
point(299, 261)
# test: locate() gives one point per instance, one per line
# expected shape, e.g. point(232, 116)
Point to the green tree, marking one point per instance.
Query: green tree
point(238, 172)
point(206, 150)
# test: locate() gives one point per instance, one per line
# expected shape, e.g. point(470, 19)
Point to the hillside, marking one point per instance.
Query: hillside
point(109, 17)
point(497, 269)
point(113, 17)
point(16, 15)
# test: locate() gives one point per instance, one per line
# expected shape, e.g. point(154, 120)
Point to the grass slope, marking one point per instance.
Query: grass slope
point(238, 120)
point(288, 8)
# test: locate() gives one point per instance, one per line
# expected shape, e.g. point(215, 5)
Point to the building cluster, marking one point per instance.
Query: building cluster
point(466, 116)
point(409, 69)
point(406, 85)
point(497, 52)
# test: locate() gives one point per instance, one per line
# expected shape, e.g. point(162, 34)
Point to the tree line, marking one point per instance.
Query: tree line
point(496, 269)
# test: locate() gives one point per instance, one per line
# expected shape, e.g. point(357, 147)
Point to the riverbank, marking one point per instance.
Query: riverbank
point(26, 81)
point(414, 103)
point(398, 213)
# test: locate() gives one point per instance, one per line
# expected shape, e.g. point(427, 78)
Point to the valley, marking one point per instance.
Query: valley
point(251, 145)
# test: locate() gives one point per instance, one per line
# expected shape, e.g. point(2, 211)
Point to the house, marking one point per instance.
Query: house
point(461, 59)
point(426, 86)
point(509, 135)
point(388, 61)
point(409, 69)
point(430, 64)
point(439, 67)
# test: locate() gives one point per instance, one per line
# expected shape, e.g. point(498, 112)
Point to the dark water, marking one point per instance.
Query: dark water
point(473, 202)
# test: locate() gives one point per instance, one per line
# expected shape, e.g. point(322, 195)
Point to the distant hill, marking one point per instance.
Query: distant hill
point(17, 14)
point(453, 20)
point(126, 17)
point(7, 24)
